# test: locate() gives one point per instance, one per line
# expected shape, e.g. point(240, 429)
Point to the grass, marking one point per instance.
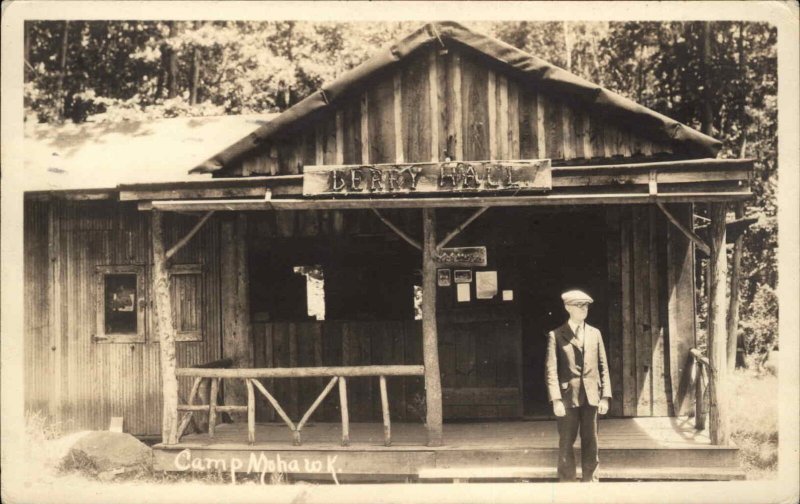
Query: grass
point(754, 422)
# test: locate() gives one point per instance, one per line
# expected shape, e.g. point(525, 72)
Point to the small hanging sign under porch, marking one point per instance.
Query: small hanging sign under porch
point(438, 177)
point(460, 257)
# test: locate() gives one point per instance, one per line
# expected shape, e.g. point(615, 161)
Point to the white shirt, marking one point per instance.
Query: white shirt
point(574, 328)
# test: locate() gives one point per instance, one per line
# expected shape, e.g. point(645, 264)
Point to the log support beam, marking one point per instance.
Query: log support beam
point(183, 241)
point(452, 234)
point(717, 327)
point(430, 345)
point(165, 332)
point(702, 245)
point(402, 234)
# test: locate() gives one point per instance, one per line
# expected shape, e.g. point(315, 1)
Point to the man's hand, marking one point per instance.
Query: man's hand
point(602, 408)
point(558, 408)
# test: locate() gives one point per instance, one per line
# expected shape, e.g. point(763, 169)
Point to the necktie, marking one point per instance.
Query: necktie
point(579, 334)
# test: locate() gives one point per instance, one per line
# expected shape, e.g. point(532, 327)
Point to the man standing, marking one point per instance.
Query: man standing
point(578, 385)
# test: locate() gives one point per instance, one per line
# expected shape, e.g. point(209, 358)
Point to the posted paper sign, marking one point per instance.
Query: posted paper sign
point(485, 284)
point(508, 295)
point(462, 292)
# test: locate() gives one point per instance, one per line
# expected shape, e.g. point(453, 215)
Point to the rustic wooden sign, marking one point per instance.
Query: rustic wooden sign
point(441, 177)
point(460, 256)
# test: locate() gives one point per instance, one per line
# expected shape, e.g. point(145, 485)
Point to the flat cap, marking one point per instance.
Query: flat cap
point(576, 297)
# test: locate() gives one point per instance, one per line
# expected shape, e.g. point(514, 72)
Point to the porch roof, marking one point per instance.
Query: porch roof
point(697, 180)
point(101, 155)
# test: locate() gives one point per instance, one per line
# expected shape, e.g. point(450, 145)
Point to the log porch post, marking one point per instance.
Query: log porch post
point(430, 344)
point(733, 307)
point(717, 327)
point(236, 342)
point(165, 332)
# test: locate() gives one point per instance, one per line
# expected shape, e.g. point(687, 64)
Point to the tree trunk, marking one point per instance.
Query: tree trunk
point(172, 65)
point(567, 46)
point(26, 44)
point(707, 114)
point(194, 80)
point(717, 339)
point(62, 73)
point(597, 73)
point(430, 340)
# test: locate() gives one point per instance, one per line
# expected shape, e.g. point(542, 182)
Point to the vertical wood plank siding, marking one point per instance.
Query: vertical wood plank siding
point(652, 329)
point(681, 309)
point(474, 109)
point(39, 349)
point(99, 380)
point(482, 355)
point(614, 339)
point(483, 113)
point(415, 110)
point(642, 320)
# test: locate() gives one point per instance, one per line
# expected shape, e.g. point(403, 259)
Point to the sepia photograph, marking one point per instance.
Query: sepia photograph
point(453, 255)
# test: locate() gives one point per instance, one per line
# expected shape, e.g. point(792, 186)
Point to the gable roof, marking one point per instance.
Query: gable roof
point(531, 69)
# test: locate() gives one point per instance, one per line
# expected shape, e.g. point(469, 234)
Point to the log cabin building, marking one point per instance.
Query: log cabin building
point(377, 268)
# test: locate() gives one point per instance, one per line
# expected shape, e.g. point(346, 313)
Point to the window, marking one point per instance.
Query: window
point(120, 304)
point(186, 293)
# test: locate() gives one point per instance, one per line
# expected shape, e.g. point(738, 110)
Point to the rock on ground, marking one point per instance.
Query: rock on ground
point(108, 453)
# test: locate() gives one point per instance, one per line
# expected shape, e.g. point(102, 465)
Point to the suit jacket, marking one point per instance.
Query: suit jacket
point(569, 366)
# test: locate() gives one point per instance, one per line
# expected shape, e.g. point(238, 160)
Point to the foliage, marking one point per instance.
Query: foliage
point(719, 77)
point(228, 66)
point(761, 323)
point(755, 429)
point(39, 427)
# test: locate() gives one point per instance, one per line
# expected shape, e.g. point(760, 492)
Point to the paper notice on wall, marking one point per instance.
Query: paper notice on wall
point(462, 292)
point(508, 295)
point(485, 284)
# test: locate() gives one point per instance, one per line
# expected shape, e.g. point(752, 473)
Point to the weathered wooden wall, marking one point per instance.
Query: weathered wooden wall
point(337, 343)
point(681, 310)
point(652, 308)
point(650, 313)
point(86, 381)
point(40, 348)
point(481, 112)
point(479, 365)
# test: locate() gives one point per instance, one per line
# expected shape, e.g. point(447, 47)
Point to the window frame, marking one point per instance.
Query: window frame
point(100, 335)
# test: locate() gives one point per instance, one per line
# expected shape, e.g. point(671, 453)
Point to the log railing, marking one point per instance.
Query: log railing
point(704, 372)
point(337, 374)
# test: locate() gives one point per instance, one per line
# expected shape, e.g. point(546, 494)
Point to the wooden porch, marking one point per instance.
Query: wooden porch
point(655, 448)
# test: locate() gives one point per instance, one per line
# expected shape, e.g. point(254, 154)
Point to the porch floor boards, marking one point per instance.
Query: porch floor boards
point(617, 433)
point(630, 448)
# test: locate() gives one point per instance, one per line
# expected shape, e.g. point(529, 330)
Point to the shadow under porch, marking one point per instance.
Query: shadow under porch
point(491, 351)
